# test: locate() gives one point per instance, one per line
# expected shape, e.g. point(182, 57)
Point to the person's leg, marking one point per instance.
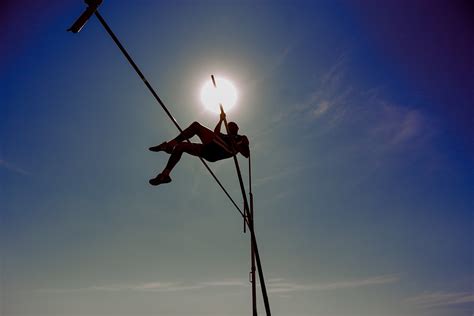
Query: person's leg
point(205, 135)
point(189, 148)
point(179, 149)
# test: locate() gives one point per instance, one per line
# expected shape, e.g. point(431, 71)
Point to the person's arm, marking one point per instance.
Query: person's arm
point(217, 129)
point(243, 146)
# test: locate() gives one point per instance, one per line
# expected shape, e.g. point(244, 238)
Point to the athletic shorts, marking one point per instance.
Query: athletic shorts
point(213, 152)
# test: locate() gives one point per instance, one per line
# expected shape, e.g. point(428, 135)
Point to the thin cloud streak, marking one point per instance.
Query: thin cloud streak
point(9, 166)
point(287, 287)
point(276, 285)
point(437, 299)
point(155, 286)
point(398, 125)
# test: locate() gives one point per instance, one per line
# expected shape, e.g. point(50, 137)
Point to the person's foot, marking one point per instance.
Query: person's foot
point(159, 179)
point(165, 146)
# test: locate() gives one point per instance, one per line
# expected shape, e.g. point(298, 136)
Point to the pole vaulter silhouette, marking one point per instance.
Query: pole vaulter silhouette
point(232, 143)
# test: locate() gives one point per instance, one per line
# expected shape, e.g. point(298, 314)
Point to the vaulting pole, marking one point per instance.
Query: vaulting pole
point(249, 220)
point(158, 99)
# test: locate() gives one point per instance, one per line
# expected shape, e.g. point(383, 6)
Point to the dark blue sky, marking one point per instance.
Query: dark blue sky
point(359, 116)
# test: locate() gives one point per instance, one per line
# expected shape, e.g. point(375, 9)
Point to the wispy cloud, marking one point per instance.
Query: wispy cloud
point(436, 299)
point(9, 166)
point(329, 95)
point(332, 93)
point(397, 125)
point(286, 287)
point(336, 102)
point(274, 63)
point(276, 285)
point(156, 286)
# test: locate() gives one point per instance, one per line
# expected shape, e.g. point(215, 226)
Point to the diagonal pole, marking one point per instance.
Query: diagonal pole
point(157, 98)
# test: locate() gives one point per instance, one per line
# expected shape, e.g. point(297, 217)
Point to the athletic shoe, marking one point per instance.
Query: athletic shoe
point(165, 146)
point(159, 179)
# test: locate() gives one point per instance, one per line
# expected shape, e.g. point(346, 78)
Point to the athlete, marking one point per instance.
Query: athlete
point(215, 146)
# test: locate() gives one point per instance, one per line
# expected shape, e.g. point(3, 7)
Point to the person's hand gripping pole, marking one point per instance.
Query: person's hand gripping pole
point(223, 116)
point(232, 145)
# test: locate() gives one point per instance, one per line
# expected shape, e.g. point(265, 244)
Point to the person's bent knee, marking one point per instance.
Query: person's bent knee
point(184, 147)
point(179, 148)
point(196, 124)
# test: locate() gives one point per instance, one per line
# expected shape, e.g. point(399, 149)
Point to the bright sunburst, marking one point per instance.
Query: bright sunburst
point(225, 93)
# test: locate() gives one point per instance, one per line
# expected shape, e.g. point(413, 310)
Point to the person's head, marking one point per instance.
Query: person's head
point(233, 128)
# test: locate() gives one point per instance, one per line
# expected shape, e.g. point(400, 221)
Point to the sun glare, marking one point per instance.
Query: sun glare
point(225, 94)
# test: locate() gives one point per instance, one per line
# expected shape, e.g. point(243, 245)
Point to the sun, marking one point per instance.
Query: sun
point(225, 93)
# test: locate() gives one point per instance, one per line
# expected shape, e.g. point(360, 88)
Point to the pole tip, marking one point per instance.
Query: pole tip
point(213, 80)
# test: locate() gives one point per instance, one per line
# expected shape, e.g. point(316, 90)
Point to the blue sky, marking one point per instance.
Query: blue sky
point(360, 125)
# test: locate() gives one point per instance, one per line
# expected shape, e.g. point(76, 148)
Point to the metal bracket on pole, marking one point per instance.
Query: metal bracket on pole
point(245, 226)
point(92, 6)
